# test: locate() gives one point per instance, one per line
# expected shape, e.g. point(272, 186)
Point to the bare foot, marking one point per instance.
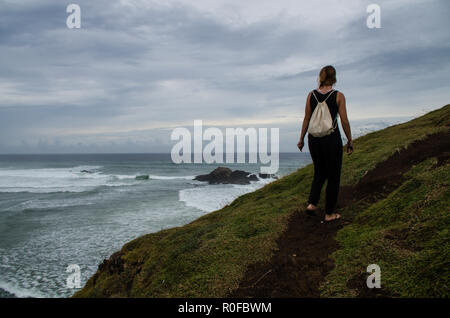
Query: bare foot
point(332, 217)
point(311, 210)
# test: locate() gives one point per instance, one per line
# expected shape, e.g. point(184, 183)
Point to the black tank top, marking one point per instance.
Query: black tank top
point(332, 106)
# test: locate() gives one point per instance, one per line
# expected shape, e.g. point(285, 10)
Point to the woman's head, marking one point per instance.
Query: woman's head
point(327, 76)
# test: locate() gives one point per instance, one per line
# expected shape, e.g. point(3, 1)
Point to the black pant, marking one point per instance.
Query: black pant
point(326, 153)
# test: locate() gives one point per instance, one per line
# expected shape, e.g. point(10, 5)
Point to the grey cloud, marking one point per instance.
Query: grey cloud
point(131, 68)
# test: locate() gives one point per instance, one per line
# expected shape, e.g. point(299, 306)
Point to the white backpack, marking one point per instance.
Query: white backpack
point(321, 123)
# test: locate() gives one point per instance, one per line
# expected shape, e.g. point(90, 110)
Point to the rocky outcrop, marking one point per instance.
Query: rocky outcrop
point(227, 176)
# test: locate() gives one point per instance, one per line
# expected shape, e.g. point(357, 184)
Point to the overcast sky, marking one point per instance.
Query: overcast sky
point(137, 69)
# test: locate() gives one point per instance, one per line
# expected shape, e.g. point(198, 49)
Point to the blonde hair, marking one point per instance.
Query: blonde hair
point(327, 76)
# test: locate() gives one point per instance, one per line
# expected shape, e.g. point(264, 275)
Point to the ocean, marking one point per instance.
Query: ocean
point(57, 210)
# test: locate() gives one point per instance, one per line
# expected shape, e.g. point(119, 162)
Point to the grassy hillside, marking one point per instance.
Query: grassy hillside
point(405, 232)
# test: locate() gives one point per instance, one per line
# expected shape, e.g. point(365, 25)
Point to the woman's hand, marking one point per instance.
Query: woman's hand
point(300, 144)
point(349, 147)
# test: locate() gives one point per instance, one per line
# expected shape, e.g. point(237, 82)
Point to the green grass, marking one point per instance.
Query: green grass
point(208, 257)
point(406, 234)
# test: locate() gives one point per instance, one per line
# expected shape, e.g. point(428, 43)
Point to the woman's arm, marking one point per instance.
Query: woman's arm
point(340, 100)
point(306, 119)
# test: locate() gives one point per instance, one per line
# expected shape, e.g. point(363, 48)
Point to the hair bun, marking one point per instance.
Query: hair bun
point(327, 76)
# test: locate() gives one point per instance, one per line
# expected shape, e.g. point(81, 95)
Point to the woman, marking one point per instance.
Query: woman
point(326, 152)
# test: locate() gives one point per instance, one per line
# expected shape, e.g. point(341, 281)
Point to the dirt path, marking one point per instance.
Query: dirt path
point(300, 265)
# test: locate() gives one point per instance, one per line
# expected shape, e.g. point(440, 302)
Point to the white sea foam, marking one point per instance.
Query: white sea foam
point(171, 177)
point(49, 204)
point(154, 177)
point(20, 292)
point(73, 179)
point(209, 198)
point(125, 177)
point(37, 267)
point(49, 180)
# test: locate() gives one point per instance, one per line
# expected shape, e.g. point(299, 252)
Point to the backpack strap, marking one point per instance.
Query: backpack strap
point(332, 91)
point(315, 96)
point(335, 122)
point(325, 98)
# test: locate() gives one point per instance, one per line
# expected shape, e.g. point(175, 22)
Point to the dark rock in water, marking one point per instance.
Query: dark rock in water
point(143, 177)
point(86, 171)
point(217, 176)
point(239, 177)
point(227, 176)
point(267, 176)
